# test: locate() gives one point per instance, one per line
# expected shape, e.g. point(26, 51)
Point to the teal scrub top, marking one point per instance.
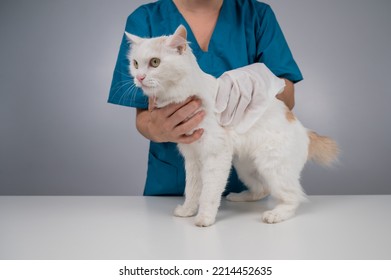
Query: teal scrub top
point(246, 32)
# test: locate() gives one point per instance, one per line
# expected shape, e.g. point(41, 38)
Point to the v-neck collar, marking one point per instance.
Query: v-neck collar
point(196, 46)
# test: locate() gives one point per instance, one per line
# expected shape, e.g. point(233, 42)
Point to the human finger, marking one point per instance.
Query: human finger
point(190, 124)
point(185, 112)
point(246, 93)
point(170, 109)
point(223, 93)
point(188, 139)
point(151, 104)
point(229, 112)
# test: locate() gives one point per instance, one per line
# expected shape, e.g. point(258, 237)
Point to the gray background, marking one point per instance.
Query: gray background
point(58, 136)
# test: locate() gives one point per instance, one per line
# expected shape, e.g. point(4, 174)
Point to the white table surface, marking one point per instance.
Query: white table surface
point(328, 227)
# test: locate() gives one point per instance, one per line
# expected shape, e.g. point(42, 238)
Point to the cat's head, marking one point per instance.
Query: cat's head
point(157, 64)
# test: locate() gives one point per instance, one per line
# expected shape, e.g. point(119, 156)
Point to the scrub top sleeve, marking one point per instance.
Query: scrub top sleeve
point(122, 90)
point(272, 48)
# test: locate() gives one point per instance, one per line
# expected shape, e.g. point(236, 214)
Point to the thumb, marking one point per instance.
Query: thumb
point(223, 93)
point(151, 104)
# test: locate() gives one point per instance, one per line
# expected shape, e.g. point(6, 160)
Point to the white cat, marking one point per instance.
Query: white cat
point(268, 158)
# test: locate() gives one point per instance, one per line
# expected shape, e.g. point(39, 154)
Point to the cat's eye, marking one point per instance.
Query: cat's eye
point(135, 64)
point(154, 62)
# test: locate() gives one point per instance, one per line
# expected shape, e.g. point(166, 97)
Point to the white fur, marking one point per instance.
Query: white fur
point(268, 158)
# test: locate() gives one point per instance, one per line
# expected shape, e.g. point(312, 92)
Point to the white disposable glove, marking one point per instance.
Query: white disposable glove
point(244, 95)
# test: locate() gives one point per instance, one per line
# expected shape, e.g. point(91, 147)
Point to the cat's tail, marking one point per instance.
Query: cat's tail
point(322, 149)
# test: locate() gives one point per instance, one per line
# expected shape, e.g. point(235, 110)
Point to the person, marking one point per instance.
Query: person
point(224, 35)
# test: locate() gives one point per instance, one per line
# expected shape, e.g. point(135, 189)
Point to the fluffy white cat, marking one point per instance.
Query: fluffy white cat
point(268, 158)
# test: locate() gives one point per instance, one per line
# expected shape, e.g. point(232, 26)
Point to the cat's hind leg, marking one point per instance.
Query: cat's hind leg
point(286, 188)
point(253, 180)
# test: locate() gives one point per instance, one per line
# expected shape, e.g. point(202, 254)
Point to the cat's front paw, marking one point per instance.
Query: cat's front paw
point(204, 220)
point(276, 216)
point(181, 211)
point(271, 217)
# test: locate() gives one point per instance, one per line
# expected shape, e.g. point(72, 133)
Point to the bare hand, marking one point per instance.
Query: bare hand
point(174, 122)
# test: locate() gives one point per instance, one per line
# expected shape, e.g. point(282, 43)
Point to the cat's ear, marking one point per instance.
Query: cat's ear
point(133, 39)
point(179, 39)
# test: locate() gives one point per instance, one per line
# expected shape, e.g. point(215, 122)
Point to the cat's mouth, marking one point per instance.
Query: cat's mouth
point(148, 90)
point(143, 85)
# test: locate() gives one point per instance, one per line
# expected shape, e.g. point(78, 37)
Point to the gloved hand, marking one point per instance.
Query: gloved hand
point(244, 95)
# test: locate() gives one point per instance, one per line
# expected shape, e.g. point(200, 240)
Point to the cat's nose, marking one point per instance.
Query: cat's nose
point(140, 78)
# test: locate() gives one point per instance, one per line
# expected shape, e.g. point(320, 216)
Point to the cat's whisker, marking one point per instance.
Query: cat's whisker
point(120, 87)
point(126, 74)
point(121, 84)
point(129, 91)
point(125, 81)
